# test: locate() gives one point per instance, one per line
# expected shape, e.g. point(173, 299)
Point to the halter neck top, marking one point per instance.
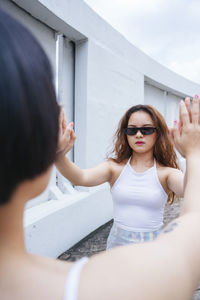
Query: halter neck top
point(138, 199)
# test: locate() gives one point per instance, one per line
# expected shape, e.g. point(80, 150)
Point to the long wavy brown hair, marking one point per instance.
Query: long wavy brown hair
point(163, 151)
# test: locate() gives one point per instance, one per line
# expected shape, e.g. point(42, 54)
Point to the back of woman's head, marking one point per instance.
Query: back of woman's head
point(28, 108)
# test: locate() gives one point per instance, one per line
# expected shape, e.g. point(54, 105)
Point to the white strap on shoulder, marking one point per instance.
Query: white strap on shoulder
point(154, 164)
point(73, 278)
point(128, 162)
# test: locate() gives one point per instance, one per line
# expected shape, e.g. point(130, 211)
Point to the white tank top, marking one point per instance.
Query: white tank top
point(138, 200)
point(73, 278)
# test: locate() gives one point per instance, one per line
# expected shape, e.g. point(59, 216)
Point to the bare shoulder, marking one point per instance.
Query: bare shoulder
point(172, 179)
point(46, 279)
point(54, 264)
point(167, 170)
point(114, 166)
point(55, 273)
point(169, 174)
point(116, 169)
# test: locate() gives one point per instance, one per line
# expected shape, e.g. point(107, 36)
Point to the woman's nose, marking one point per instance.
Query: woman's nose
point(139, 133)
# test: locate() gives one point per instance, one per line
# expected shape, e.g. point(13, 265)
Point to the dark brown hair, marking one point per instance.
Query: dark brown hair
point(163, 151)
point(28, 108)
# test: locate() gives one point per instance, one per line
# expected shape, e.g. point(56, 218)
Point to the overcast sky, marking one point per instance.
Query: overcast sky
point(166, 30)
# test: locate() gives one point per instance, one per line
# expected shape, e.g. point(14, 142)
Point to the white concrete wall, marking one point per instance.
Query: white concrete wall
point(110, 75)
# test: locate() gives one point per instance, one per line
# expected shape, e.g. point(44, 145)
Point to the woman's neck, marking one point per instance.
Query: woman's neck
point(11, 215)
point(11, 229)
point(145, 160)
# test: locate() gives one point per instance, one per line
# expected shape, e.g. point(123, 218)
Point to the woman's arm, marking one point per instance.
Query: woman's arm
point(175, 182)
point(167, 268)
point(88, 177)
point(84, 177)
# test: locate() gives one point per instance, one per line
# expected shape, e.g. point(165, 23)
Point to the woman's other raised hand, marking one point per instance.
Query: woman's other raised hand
point(66, 136)
point(186, 132)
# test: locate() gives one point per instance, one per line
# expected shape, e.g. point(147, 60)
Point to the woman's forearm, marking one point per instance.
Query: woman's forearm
point(69, 170)
point(192, 185)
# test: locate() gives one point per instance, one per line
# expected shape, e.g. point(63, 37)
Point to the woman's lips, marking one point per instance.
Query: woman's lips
point(139, 143)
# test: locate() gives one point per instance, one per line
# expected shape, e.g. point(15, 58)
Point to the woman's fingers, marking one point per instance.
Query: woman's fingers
point(68, 138)
point(176, 132)
point(195, 111)
point(62, 121)
point(187, 104)
point(73, 136)
point(186, 137)
point(184, 115)
point(66, 134)
point(61, 115)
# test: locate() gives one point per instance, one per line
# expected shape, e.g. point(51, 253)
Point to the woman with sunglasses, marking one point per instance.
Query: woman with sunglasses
point(142, 171)
point(167, 268)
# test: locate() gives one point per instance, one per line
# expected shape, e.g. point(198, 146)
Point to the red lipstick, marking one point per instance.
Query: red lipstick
point(139, 143)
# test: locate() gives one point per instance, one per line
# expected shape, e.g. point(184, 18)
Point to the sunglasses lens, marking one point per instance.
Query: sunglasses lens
point(130, 131)
point(147, 130)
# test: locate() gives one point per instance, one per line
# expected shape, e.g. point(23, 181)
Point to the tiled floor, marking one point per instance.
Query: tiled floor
point(92, 244)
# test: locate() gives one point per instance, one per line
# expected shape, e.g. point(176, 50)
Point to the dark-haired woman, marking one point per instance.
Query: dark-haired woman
point(143, 175)
point(28, 135)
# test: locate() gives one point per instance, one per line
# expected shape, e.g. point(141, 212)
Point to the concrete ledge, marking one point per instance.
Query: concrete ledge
point(56, 225)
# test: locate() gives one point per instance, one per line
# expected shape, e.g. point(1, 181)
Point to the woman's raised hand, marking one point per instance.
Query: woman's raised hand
point(186, 132)
point(66, 136)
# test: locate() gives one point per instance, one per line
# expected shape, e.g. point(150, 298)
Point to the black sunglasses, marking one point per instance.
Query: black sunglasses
point(143, 130)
